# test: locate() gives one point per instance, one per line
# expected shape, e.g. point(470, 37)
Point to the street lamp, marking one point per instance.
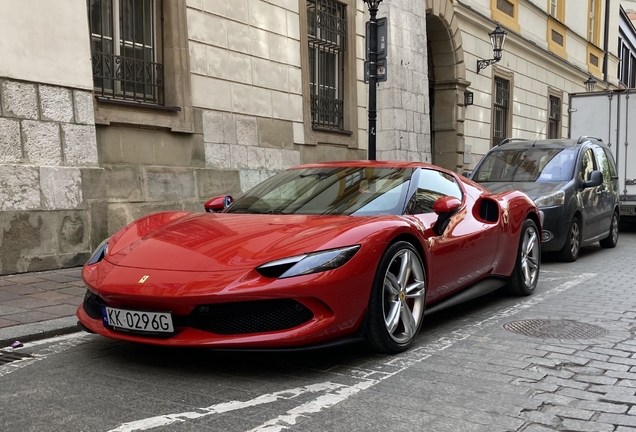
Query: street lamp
point(590, 84)
point(373, 74)
point(497, 39)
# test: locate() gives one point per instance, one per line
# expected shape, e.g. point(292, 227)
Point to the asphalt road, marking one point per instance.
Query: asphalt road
point(466, 371)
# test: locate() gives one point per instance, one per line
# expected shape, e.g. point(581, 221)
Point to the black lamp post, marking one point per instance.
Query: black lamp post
point(590, 84)
point(497, 40)
point(373, 74)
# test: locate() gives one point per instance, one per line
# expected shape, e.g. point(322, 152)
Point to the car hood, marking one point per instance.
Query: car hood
point(223, 242)
point(533, 189)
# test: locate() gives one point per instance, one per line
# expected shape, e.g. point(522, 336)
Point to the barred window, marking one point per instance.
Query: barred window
point(501, 107)
point(554, 118)
point(126, 49)
point(327, 34)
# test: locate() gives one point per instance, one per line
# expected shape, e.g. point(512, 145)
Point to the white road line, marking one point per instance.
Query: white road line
point(60, 344)
point(332, 393)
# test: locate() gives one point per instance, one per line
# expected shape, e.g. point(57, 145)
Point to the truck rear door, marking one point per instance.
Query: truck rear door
point(626, 148)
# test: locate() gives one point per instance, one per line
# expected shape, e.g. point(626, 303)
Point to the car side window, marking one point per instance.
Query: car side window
point(612, 163)
point(587, 165)
point(603, 164)
point(433, 185)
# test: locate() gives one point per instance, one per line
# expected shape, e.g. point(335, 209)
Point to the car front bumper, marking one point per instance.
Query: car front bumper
point(234, 311)
point(555, 228)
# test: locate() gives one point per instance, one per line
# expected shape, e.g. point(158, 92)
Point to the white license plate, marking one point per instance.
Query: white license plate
point(628, 210)
point(141, 321)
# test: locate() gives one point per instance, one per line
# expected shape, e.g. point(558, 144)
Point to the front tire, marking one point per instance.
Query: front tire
point(525, 275)
point(398, 299)
point(570, 250)
point(612, 238)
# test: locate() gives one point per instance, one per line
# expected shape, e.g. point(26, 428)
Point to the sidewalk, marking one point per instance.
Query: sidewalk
point(39, 305)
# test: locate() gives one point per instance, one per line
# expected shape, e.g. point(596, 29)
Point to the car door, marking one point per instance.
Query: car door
point(589, 198)
point(465, 251)
point(607, 190)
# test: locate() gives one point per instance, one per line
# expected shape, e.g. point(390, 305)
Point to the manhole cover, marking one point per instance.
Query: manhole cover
point(11, 356)
point(556, 329)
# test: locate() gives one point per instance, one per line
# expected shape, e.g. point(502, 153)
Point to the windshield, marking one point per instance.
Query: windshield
point(358, 191)
point(527, 165)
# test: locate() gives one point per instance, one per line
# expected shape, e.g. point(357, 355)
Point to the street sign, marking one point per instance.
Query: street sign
point(383, 38)
point(381, 71)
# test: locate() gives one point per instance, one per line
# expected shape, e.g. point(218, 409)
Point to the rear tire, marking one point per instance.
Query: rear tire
point(525, 275)
point(612, 238)
point(398, 299)
point(570, 250)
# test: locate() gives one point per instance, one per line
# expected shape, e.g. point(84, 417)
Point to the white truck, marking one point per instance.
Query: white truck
point(611, 116)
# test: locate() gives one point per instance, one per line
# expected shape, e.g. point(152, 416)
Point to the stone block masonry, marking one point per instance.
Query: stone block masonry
point(47, 147)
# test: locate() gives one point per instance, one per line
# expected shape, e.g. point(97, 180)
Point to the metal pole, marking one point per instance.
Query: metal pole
point(373, 77)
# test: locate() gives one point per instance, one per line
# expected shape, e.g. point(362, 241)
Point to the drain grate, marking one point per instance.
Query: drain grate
point(11, 356)
point(556, 329)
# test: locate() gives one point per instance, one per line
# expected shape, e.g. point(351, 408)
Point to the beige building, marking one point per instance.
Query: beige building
point(552, 48)
point(113, 109)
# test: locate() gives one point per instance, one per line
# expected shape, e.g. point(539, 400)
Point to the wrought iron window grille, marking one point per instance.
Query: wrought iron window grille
point(502, 102)
point(327, 35)
point(126, 45)
point(554, 117)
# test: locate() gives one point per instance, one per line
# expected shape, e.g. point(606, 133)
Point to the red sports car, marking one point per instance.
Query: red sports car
point(316, 255)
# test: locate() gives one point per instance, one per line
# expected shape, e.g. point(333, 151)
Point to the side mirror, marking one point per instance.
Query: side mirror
point(218, 204)
point(596, 178)
point(446, 204)
point(466, 174)
point(444, 208)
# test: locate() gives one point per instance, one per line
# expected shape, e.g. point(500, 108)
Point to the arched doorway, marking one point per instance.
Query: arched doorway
point(447, 77)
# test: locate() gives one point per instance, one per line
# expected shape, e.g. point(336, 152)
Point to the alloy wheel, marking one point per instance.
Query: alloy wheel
point(575, 239)
point(530, 256)
point(404, 296)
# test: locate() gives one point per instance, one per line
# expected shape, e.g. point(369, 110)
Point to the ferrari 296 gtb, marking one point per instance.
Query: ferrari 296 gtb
point(316, 255)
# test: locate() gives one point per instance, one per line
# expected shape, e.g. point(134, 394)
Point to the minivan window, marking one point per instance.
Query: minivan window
point(603, 164)
point(612, 164)
point(532, 164)
point(587, 165)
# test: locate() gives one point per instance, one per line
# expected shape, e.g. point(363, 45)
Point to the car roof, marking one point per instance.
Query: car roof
point(562, 143)
point(370, 164)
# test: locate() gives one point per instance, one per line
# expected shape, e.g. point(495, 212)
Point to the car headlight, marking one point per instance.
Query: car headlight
point(99, 253)
point(308, 263)
point(553, 199)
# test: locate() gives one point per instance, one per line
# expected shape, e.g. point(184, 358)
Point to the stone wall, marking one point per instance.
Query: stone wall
point(403, 101)
point(51, 205)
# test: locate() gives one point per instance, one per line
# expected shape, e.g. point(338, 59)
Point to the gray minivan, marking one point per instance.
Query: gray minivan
point(574, 183)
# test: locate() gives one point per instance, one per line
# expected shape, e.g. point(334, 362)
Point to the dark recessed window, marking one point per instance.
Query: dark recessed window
point(557, 37)
point(593, 60)
point(506, 7)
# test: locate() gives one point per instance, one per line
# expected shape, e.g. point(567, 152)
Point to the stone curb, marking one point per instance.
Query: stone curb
point(39, 330)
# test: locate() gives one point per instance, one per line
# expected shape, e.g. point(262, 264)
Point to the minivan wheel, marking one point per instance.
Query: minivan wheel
point(612, 239)
point(572, 246)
